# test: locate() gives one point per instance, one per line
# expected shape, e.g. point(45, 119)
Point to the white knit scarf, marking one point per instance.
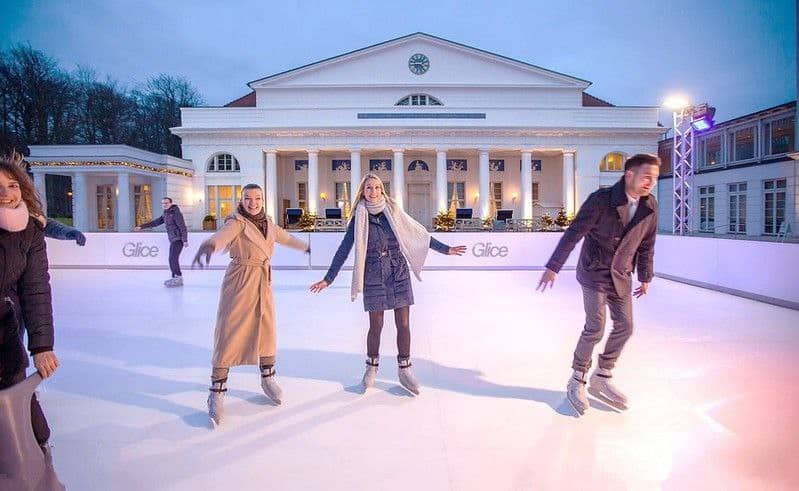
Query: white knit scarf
point(413, 239)
point(14, 219)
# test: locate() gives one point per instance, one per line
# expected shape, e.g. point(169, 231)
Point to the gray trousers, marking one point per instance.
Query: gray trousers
point(621, 312)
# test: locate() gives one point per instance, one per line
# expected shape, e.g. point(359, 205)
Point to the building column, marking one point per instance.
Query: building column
point(313, 182)
point(484, 184)
point(123, 202)
point(398, 186)
point(80, 202)
point(441, 181)
point(271, 186)
point(355, 173)
point(568, 182)
point(39, 182)
point(527, 184)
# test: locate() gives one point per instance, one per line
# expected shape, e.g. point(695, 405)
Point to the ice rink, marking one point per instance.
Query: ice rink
point(711, 378)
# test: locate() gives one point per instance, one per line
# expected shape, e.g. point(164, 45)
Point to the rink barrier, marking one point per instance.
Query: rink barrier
point(763, 271)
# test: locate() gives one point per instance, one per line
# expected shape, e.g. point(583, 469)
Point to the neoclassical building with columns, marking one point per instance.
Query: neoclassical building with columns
point(438, 121)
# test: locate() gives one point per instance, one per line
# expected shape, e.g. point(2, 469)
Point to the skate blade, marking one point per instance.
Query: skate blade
point(610, 402)
point(577, 411)
point(212, 424)
point(410, 391)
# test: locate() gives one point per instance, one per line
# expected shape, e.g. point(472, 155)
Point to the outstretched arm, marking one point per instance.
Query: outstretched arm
point(57, 230)
point(217, 242)
point(284, 238)
point(158, 221)
point(338, 259)
point(443, 248)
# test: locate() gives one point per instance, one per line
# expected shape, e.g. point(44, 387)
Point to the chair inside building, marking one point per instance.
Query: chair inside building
point(293, 217)
point(333, 213)
point(463, 213)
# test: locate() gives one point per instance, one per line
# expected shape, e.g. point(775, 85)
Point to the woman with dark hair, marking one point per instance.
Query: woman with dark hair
point(245, 322)
point(386, 241)
point(25, 300)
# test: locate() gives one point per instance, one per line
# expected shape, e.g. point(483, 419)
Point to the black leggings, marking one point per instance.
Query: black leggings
point(402, 320)
point(40, 428)
point(175, 248)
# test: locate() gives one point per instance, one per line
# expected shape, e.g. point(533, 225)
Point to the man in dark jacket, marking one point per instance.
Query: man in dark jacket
point(618, 225)
point(177, 234)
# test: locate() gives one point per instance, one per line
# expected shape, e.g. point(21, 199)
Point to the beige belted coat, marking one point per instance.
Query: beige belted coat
point(245, 320)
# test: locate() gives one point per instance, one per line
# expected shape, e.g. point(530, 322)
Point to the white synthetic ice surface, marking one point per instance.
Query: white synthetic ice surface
point(711, 378)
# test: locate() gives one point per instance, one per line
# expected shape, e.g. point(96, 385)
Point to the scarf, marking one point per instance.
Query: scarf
point(259, 220)
point(14, 219)
point(413, 238)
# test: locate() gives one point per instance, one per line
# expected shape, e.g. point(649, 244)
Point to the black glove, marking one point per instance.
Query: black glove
point(206, 250)
point(77, 236)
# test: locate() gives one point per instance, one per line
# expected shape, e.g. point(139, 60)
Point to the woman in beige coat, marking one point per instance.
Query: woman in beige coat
point(245, 321)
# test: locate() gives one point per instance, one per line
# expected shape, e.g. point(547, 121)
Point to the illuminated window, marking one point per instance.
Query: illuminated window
point(612, 162)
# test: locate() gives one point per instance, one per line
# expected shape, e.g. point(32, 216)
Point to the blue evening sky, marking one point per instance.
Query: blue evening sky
point(738, 55)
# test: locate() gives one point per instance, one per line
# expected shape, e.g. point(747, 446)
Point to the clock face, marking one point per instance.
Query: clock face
point(418, 63)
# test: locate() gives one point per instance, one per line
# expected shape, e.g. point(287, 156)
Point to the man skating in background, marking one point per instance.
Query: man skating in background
point(619, 225)
point(177, 234)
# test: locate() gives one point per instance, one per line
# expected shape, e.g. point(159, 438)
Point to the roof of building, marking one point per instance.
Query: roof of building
point(247, 100)
point(428, 36)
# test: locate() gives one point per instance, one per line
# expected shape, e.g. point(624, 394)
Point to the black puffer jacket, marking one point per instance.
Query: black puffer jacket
point(24, 296)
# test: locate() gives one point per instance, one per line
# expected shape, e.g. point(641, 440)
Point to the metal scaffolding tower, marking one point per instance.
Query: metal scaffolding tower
point(682, 164)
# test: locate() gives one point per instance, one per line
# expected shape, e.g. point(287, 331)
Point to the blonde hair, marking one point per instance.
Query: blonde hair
point(362, 185)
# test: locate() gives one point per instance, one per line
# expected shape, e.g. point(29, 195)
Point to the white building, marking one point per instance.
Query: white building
point(745, 180)
point(113, 186)
point(431, 116)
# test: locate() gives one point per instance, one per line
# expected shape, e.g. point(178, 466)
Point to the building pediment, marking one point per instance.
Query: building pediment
point(419, 60)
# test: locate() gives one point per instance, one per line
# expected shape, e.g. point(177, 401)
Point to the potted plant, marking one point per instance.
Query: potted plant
point(444, 221)
point(209, 222)
point(546, 221)
point(563, 220)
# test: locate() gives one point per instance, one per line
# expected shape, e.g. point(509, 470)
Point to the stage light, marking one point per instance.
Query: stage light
point(702, 117)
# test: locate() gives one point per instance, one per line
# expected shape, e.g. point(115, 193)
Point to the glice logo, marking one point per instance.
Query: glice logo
point(138, 250)
point(486, 249)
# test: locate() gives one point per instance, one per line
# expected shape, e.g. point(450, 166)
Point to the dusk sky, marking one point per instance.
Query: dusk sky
point(738, 55)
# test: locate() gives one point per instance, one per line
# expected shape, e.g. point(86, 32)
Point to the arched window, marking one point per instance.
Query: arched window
point(418, 100)
point(223, 162)
point(418, 165)
point(612, 162)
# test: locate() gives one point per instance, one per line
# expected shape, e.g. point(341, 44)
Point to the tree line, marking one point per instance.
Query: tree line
point(43, 104)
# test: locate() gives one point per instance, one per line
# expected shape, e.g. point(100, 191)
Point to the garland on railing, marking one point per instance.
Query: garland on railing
point(112, 164)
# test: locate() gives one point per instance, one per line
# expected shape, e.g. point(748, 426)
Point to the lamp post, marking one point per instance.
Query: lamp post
point(687, 119)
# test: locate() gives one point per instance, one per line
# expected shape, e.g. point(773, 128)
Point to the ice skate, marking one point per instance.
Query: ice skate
point(270, 387)
point(216, 403)
point(370, 374)
point(406, 378)
point(600, 386)
point(176, 281)
point(576, 393)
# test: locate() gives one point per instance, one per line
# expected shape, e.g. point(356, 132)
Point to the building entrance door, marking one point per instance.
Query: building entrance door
point(419, 203)
point(105, 208)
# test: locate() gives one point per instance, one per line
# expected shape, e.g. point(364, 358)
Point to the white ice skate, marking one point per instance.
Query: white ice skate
point(216, 407)
point(600, 386)
point(176, 281)
point(370, 374)
point(406, 378)
point(576, 394)
point(270, 387)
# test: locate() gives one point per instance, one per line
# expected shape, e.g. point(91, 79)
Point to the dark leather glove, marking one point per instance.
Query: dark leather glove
point(206, 250)
point(77, 236)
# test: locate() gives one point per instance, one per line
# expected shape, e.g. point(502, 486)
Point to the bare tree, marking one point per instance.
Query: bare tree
point(160, 101)
point(38, 97)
